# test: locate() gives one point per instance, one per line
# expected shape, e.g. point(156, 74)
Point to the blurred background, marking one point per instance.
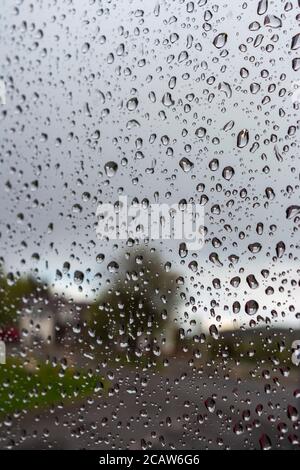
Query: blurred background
point(134, 343)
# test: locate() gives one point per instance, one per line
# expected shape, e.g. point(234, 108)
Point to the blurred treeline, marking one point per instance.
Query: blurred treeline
point(136, 316)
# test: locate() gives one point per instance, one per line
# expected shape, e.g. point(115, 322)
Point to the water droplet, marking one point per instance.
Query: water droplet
point(265, 442)
point(111, 168)
point(200, 132)
point(78, 277)
point(255, 247)
point(85, 48)
point(273, 21)
point(280, 249)
point(210, 404)
point(292, 413)
point(228, 173)
point(292, 211)
point(183, 251)
point(251, 307)
point(132, 104)
point(168, 100)
point(243, 138)
point(295, 42)
point(220, 40)
point(113, 267)
point(262, 7)
point(296, 64)
point(186, 165)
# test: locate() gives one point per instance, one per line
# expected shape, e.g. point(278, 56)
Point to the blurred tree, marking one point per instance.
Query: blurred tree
point(12, 293)
point(131, 314)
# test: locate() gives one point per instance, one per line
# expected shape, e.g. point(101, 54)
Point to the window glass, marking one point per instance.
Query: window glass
point(149, 234)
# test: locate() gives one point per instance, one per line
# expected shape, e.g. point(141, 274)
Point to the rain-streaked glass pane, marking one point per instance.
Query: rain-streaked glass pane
point(149, 233)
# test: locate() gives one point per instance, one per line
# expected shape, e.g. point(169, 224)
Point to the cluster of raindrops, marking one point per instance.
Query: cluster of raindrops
point(145, 342)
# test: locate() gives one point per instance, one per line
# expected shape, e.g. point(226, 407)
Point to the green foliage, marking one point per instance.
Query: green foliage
point(43, 385)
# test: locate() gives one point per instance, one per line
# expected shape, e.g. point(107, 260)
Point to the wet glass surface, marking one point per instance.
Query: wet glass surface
point(118, 329)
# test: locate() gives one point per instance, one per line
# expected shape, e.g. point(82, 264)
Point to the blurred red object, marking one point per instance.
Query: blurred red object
point(10, 335)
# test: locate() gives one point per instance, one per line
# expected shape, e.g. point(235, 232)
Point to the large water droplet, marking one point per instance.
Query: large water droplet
point(292, 211)
point(262, 7)
point(295, 42)
point(113, 267)
point(280, 249)
point(228, 173)
point(186, 165)
point(243, 138)
point(111, 168)
point(132, 104)
point(210, 404)
point(273, 21)
point(168, 100)
point(200, 132)
point(220, 40)
point(78, 277)
point(251, 307)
